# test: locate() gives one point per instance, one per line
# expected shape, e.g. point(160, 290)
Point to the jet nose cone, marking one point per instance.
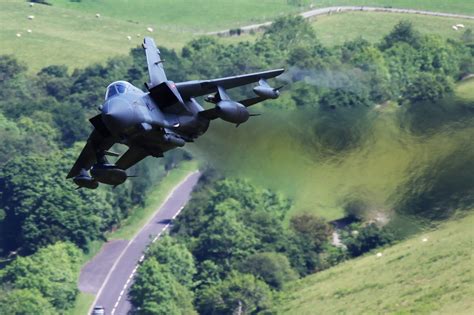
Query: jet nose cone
point(118, 115)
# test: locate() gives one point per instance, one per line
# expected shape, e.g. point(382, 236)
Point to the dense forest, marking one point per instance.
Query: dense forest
point(230, 228)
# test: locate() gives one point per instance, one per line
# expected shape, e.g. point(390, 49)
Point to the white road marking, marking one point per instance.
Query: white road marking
point(130, 242)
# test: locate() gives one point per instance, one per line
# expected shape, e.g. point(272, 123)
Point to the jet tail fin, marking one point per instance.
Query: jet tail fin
point(155, 63)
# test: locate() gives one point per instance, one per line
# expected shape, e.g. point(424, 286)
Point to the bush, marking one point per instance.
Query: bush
point(367, 238)
point(241, 293)
point(273, 268)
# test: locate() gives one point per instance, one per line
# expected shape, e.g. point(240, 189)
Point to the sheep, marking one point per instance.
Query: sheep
point(129, 37)
point(18, 34)
point(455, 27)
point(149, 29)
point(425, 239)
point(31, 17)
point(29, 31)
point(460, 25)
point(379, 255)
point(97, 15)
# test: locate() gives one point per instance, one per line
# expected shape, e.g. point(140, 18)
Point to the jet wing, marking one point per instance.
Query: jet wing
point(96, 142)
point(155, 64)
point(196, 88)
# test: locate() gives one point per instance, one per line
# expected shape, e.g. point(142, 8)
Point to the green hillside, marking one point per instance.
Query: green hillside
point(434, 276)
point(335, 29)
point(69, 32)
point(207, 15)
point(338, 28)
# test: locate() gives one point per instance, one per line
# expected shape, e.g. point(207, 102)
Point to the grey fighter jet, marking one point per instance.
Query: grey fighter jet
point(165, 117)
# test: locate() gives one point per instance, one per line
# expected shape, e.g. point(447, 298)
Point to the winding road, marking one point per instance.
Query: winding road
point(110, 273)
point(330, 10)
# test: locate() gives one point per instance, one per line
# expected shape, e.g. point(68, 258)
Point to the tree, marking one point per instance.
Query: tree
point(42, 208)
point(468, 36)
point(224, 241)
point(312, 228)
point(402, 32)
point(375, 73)
point(368, 237)
point(241, 292)
point(52, 271)
point(156, 291)
point(10, 68)
point(25, 302)
point(307, 240)
point(168, 251)
point(273, 268)
point(428, 87)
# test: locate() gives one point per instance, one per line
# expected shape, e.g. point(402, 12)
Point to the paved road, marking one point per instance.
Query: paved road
point(111, 272)
point(330, 10)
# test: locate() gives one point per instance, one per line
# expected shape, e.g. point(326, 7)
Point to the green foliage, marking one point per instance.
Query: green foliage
point(225, 240)
point(313, 229)
point(228, 220)
point(402, 32)
point(273, 268)
point(156, 291)
point(428, 87)
point(10, 68)
point(239, 293)
point(169, 252)
point(48, 276)
point(41, 208)
point(362, 239)
point(25, 302)
point(468, 36)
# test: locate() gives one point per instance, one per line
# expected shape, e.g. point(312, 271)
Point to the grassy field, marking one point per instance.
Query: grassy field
point(69, 32)
point(335, 29)
point(338, 28)
point(208, 15)
point(413, 277)
point(63, 36)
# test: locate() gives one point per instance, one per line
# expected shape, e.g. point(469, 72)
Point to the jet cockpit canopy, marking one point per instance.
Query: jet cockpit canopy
point(116, 88)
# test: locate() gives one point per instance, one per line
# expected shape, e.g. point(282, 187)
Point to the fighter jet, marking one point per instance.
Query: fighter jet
point(163, 118)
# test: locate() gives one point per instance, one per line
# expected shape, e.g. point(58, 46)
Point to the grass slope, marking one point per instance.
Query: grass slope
point(413, 277)
point(209, 15)
point(335, 29)
point(69, 33)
